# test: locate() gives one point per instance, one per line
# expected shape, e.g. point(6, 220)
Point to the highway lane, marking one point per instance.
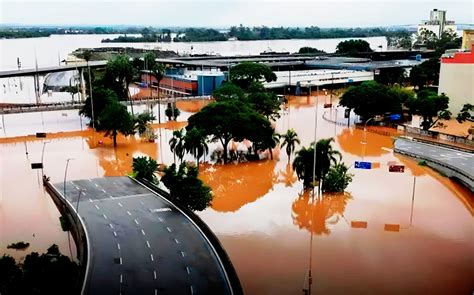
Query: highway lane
point(140, 244)
point(461, 160)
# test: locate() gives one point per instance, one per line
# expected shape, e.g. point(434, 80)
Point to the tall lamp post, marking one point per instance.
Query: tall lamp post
point(42, 157)
point(78, 198)
point(365, 130)
point(65, 174)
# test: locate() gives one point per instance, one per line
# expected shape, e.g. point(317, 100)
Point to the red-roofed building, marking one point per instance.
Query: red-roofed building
point(456, 79)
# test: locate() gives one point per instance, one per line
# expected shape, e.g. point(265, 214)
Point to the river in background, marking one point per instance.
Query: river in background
point(50, 51)
point(260, 212)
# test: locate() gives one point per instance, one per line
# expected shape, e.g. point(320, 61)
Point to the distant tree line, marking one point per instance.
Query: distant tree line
point(255, 33)
point(35, 32)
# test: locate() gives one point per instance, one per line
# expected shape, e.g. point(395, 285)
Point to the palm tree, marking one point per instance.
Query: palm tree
point(325, 157)
point(290, 139)
point(274, 142)
point(195, 144)
point(177, 144)
point(158, 71)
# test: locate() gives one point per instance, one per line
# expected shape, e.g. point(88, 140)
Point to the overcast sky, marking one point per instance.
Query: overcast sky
point(224, 13)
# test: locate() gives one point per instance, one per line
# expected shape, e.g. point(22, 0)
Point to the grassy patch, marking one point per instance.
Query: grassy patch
point(422, 163)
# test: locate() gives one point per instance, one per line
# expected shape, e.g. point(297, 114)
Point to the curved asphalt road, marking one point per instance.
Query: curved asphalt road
point(461, 160)
point(140, 243)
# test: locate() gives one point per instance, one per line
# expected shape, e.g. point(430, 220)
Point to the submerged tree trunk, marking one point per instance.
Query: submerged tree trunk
point(271, 153)
point(114, 135)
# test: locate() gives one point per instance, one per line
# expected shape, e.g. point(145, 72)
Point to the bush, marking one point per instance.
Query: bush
point(185, 186)
point(337, 179)
point(144, 168)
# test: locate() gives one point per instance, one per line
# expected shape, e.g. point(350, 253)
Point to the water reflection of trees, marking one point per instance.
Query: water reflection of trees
point(287, 176)
point(317, 216)
point(118, 161)
point(236, 185)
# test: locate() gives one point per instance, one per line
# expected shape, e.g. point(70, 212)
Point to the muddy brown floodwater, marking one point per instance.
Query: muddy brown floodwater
point(370, 240)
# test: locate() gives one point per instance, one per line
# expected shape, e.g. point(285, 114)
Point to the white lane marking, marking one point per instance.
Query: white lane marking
point(136, 221)
point(120, 204)
point(168, 228)
point(176, 241)
point(105, 217)
point(121, 278)
point(192, 289)
point(118, 246)
point(188, 270)
point(154, 274)
point(96, 185)
point(160, 219)
point(90, 180)
point(151, 257)
point(115, 234)
point(112, 197)
point(76, 187)
point(143, 232)
point(183, 254)
point(90, 200)
point(111, 226)
point(148, 244)
point(142, 203)
point(103, 190)
point(160, 209)
point(129, 213)
point(120, 260)
point(97, 207)
point(464, 164)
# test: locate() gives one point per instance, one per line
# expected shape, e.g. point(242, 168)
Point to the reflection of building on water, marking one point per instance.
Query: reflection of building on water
point(319, 214)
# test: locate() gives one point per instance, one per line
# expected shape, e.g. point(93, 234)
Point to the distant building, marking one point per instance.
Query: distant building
point(467, 39)
point(437, 23)
point(186, 83)
point(456, 79)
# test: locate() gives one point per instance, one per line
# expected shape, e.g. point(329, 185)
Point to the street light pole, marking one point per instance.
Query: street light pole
point(78, 198)
point(42, 157)
point(365, 131)
point(65, 174)
point(412, 200)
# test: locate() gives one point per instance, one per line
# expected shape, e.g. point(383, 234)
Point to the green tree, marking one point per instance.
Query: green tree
point(177, 144)
point(465, 113)
point(428, 104)
point(337, 178)
point(185, 186)
point(172, 112)
point(245, 73)
point(369, 99)
point(290, 139)
point(225, 121)
point(229, 91)
point(119, 73)
point(115, 119)
point(310, 50)
point(426, 73)
point(10, 280)
point(195, 144)
point(144, 168)
point(265, 103)
point(353, 47)
point(142, 122)
point(102, 97)
point(326, 156)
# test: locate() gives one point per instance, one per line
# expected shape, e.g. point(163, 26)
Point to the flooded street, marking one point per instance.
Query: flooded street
point(372, 239)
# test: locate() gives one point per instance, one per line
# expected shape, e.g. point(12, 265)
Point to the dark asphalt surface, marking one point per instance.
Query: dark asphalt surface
point(461, 160)
point(140, 243)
